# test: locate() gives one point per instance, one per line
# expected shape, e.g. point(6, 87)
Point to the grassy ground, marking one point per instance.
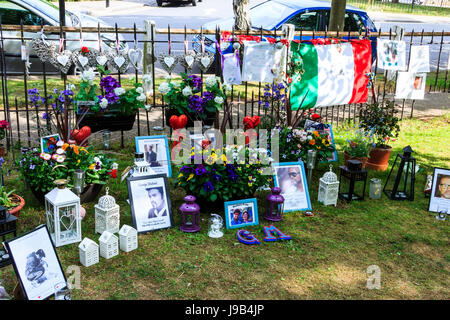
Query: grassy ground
point(326, 259)
point(372, 5)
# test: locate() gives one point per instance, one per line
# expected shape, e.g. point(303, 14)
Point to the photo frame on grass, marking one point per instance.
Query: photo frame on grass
point(291, 178)
point(36, 263)
point(440, 191)
point(48, 143)
point(156, 153)
point(241, 213)
point(150, 203)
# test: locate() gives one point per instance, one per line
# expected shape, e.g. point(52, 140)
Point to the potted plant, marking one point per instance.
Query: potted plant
point(358, 148)
point(11, 201)
point(4, 125)
point(186, 97)
point(39, 169)
point(109, 106)
point(380, 121)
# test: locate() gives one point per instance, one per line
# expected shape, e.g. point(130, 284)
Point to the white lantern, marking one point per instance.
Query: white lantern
point(107, 215)
point(128, 237)
point(109, 245)
point(89, 252)
point(62, 209)
point(328, 188)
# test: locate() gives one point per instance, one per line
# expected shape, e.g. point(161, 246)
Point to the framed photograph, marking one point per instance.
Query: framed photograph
point(241, 213)
point(150, 203)
point(48, 143)
point(440, 191)
point(196, 141)
point(36, 263)
point(290, 177)
point(156, 153)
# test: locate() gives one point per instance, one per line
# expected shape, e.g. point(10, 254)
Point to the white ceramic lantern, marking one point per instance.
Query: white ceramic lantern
point(109, 245)
point(89, 252)
point(128, 238)
point(328, 188)
point(62, 209)
point(107, 215)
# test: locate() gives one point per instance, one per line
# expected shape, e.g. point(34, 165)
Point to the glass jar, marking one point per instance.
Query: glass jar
point(375, 188)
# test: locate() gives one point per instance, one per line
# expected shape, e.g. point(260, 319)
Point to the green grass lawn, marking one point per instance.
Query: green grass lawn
point(327, 257)
point(374, 5)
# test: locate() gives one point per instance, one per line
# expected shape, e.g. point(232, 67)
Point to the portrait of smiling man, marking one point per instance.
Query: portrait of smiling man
point(157, 202)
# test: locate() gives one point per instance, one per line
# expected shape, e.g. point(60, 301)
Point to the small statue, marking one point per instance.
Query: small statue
point(215, 226)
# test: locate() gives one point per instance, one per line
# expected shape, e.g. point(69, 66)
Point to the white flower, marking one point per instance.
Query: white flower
point(147, 107)
point(97, 160)
point(176, 84)
point(70, 86)
point(60, 151)
point(146, 78)
point(141, 97)
point(119, 91)
point(60, 143)
point(103, 103)
point(218, 100)
point(139, 90)
point(210, 81)
point(164, 88)
point(187, 91)
point(227, 87)
point(60, 159)
point(309, 138)
point(88, 75)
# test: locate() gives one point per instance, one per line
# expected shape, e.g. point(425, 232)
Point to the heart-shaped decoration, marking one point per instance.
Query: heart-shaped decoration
point(135, 57)
point(189, 60)
point(205, 60)
point(101, 60)
point(81, 135)
point(206, 143)
point(119, 61)
point(44, 50)
point(251, 122)
point(169, 61)
point(62, 59)
point(178, 122)
point(83, 60)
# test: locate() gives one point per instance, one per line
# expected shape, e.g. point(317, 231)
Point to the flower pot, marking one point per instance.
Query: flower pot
point(379, 158)
point(349, 157)
point(169, 112)
point(110, 121)
point(16, 210)
point(89, 194)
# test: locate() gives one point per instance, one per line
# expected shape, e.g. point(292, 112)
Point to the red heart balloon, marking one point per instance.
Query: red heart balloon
point(251, 122)
point(81, 135)
point(256, 121)
point(205, 143)
point(178, 122)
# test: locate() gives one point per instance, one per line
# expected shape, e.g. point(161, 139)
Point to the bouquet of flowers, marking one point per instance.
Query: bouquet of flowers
point(113, 97)
point(221, 177)
point(4, 125)
point(295, 143)
point(40, 169)
point(359, 145)
point(186, 95)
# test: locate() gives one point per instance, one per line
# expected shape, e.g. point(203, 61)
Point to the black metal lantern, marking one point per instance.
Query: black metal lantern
point(398, 189)
point(353, 172)
point(7, 223)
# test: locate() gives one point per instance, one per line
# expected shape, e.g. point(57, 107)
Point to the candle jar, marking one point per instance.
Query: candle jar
point(311, 162)
point(106, 139)
point(375, 188)
point(78, 181)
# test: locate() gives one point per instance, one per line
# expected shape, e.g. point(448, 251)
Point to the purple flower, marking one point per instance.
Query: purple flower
point(32, 166)
point(186, 169)
point(1, 162)
point(111, 97)
point(196, 81)
point(216, 176)
point(208, 186)
point(208, 96)
point(200, 170)
point(109, 84)
point(45, 116)
point(196, 103)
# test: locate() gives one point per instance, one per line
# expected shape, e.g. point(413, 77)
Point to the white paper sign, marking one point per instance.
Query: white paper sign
point(231, 69)
point(261, 62)
point(420, 59)
point(391, 54)
point(410, 85)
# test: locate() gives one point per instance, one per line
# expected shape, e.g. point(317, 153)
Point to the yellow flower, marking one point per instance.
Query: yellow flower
point(180, 175)
point(190, 177)
point(247, 166)
point(224, 158)
point(210, 160)
point(84, 149)
point(65, 145)
point(239, 168)
point(192, 154)
point(92, 166)
point(250, 184)
point(250, 177)
point(78, 161)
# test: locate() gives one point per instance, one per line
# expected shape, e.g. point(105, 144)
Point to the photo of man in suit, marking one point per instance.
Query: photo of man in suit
point(158, 209)
point(152, 157)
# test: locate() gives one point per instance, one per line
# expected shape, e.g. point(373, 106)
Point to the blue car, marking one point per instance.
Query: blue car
point(305, 15)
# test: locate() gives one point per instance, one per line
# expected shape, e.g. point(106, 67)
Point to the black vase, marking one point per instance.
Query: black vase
point(111, 121)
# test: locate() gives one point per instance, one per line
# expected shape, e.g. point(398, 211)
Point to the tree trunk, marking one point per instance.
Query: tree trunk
point(337, 15)
point(241, 10)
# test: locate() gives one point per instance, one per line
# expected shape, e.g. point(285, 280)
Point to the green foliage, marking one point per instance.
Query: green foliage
point(379, 121)
point(5, 198)
point(358, 144)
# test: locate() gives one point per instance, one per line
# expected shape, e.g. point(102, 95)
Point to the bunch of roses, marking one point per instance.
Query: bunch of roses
point(218, 176)
point(39, 168)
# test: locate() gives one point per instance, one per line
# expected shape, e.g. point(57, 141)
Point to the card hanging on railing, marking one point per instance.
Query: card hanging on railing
point(261, 61)
point(101, 58)
point(331, 74)
point(420, 59)
point(391, 54)
point(231, 69)
point(410, 85)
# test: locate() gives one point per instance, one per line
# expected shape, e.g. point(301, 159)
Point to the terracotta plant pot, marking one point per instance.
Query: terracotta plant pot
point(379, 158)
point(16, 210)
point(348, 157)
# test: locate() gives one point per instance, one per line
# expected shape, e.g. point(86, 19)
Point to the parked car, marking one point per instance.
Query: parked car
point(34, 12)
point(306, 15)
point(160, 2)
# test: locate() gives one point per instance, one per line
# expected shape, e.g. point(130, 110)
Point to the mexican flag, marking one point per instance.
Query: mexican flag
point(332, 74)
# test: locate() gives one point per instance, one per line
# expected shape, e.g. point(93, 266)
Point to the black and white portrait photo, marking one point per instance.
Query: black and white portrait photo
point(440, 191)
point(150, 202)
point(290, 177)
point(36, 263)
point(156, 153)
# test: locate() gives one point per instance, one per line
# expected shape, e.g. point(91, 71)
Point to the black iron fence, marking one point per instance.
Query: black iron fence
point(27, 123)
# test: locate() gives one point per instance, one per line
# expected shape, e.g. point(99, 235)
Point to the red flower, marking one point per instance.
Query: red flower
point(84, 50)
point(289, 80)
point(113, 173)
point(4, 124)
point(315, 116)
